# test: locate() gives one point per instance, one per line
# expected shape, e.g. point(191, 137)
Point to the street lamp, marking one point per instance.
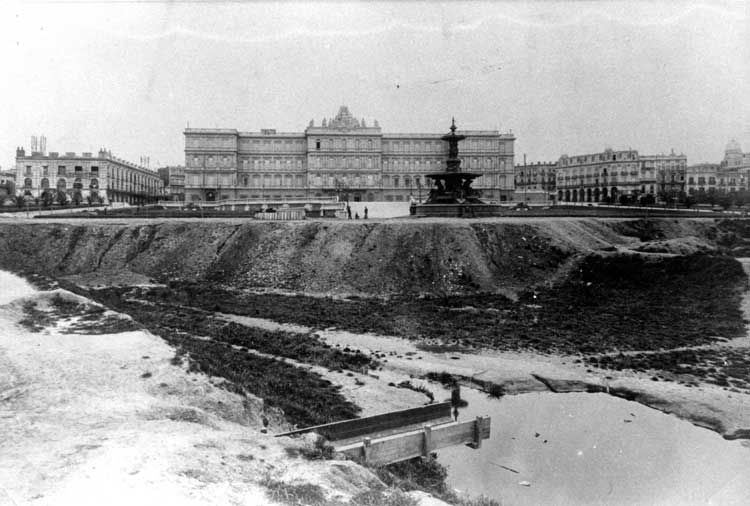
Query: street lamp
point(522, 178)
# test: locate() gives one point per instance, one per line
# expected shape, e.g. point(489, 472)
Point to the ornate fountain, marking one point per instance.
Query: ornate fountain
point(452, 194)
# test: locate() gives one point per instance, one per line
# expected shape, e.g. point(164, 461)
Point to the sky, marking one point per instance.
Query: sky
point(564, 78)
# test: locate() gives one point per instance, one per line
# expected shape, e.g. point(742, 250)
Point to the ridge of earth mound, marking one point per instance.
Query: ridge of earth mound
point(409, 257)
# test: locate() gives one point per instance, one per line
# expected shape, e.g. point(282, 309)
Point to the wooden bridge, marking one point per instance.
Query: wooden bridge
point(401, 435)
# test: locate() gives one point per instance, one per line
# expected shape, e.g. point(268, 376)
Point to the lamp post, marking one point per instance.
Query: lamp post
point(522, 178)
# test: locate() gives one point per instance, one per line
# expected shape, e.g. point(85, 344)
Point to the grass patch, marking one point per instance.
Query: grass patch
point(306, 494)
point(428, 476)
point(84, 318)
point(150, 307)
point(388, 497)
point(417, 388)
point(619, 302)
point(305, 397)
point(724, 367)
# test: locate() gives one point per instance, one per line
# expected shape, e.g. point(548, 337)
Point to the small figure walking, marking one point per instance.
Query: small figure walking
point(365, 212)
point(348, 211)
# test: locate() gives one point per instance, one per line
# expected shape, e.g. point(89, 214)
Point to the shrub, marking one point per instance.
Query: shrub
point(306, 494)
point(321, 450)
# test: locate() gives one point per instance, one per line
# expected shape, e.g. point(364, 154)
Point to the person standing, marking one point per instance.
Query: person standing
point(365, 212)
point(348, 211)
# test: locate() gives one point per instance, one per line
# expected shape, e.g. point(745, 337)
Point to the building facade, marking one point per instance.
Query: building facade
point(535, 182)
point(606, 176)
point(341, 156)
point(83, 177)
point(734, 158)
point(731, 175)
point(714, 178)
point(174, 182)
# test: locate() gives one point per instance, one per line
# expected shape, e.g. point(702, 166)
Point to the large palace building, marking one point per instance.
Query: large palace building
point(342, 157)
point(83, 177)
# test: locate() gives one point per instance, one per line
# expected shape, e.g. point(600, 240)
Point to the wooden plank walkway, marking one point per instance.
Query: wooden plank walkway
point(419, 443)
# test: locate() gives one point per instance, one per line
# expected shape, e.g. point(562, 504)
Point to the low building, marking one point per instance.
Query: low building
point(72, 177)
point(607, 176)
point(174, 182)
point(535, 183)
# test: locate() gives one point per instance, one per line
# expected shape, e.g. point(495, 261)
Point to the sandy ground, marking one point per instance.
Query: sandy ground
point(707, 405)
point(107, 419)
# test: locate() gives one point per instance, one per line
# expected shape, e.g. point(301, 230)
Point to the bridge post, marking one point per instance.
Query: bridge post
point(427, 431)
point(477, 443)
point(366, 449)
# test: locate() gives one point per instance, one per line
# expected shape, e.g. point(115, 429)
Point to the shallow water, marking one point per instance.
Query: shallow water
point(593, 449)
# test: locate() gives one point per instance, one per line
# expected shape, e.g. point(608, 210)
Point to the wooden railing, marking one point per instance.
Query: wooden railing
point(419, 443)
point(400, 435)
point(380, 424)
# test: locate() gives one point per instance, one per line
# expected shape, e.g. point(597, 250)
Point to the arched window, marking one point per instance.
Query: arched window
point(61, 184)
point(45, 183)
point(94, 183)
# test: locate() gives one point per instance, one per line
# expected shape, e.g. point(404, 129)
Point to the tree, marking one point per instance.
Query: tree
point(20, 201)
point(47, 198)
point(62, 198)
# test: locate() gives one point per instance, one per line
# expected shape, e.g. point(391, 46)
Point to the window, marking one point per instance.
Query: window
point(61, 170)
point(28, 170)
point(27, 182)
point(317, 144)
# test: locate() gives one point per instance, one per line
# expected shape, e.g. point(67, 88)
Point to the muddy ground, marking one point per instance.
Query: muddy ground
point(324, 320)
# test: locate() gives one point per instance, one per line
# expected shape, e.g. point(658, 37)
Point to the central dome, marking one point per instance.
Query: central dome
point(733, 147)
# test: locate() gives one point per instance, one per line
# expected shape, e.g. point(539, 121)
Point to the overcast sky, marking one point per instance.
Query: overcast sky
point(564, 77)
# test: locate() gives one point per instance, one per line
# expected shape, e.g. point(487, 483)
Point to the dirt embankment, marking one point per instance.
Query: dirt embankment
point(347, 258)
